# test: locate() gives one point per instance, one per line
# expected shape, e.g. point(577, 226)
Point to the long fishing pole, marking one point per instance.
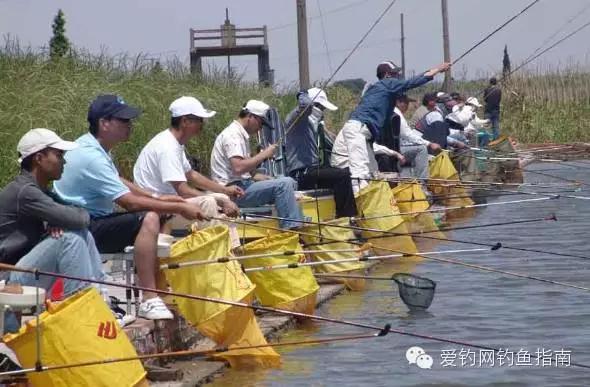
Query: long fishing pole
point(195, 353)
point(4, 266)
point(546, 194)
point(323, 85)
point(413, 234)
point(495, 31)
point(402, 234)
point(483, 268)
point(229, 258)
point(296, 265)
point(36, 272)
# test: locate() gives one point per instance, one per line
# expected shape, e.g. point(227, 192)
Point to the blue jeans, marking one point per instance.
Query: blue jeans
point(494, 118)
point(280, 192)
point(74, 253)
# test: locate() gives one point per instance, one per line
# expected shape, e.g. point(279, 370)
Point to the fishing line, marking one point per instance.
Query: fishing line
point(195, 353)
point(402, 234)
point(495, 31)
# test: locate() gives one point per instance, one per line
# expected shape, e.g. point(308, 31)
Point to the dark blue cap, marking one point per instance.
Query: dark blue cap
point(109, 105)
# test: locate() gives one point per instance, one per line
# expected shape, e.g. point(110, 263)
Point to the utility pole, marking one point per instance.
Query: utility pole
point(446, 45)
point(403, 38)
point(302, 45)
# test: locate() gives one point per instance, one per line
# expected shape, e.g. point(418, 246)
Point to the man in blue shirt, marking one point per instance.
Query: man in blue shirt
point(352, 147)
point(305, 125)
point(91, 180)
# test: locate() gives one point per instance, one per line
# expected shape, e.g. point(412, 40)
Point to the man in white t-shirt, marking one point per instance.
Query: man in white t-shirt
point(232, 165)
point(163, 168)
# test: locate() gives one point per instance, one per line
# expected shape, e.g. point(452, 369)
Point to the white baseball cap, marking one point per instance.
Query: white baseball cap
point(258, 108)
point(36, 140)
point(318, 95)
point(473, 101)
point(184, 106)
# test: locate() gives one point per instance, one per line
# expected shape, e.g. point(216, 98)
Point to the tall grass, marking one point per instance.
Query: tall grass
point(35, 92)
point(544, 104)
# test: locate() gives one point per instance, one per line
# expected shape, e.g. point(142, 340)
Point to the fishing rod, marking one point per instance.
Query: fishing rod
point(287, 253)
point(324, 84)
point(449, 208)
point(464, 183)
point(335, 240)
point(36, 272)
point(413, 234)
point(495, 31)
point(530, 171)
point(423, 255)
point(547, 194)
point(296, 265)
point(493, 192)
point(195, 353)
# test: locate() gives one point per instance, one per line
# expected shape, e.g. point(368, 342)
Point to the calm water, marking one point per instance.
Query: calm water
point(469, 305)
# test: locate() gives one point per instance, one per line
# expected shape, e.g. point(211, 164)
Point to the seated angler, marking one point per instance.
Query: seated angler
point(163, 168)
point(232, 165)
point(305, 130)
point(91, 180)
point(37, 231)
point(434, 127)
point(413, 147)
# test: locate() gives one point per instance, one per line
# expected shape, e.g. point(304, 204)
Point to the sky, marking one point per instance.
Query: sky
point(160, 29)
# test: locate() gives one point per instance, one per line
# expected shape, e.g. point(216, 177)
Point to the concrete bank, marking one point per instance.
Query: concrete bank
point(177, 335)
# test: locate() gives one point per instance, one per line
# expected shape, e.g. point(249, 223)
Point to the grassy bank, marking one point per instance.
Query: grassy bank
point(37, 93)
point(545, 104)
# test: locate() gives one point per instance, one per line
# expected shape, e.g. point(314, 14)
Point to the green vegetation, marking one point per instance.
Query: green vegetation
point(59, 45)
point(36, 92)
point(541, 105)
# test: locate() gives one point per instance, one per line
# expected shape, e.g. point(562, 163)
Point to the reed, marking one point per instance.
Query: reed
point(35, 92)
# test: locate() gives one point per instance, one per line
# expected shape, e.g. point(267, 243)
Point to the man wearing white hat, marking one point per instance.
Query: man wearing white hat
point(91, 180)
point(306, 153)
point(232, 165)
point(36, 230)
point(163, 168)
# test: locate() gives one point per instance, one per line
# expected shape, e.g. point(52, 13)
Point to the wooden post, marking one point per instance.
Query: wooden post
point(302, 45)
point(403, 38)
point(448, 83)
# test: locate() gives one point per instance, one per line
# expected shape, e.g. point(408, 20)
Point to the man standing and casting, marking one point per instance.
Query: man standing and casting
point(492, 96)
point(305, 125)
point(353, 145)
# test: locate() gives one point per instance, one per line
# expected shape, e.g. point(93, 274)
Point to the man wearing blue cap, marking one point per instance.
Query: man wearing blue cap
point(92, 181)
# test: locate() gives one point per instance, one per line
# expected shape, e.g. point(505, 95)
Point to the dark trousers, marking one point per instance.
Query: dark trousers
point(112, 233)
point(336, 179)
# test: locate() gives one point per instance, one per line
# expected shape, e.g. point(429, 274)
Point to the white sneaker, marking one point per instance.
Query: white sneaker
point(154, 309)
point(124, 319)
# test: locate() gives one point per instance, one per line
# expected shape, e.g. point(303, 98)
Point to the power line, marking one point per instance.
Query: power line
point(324, 36)
point(334, 10)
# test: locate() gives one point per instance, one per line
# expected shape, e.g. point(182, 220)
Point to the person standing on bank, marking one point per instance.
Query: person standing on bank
point(91, 180)
point(305, 125)
point(492, 97)
point(353, 145)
